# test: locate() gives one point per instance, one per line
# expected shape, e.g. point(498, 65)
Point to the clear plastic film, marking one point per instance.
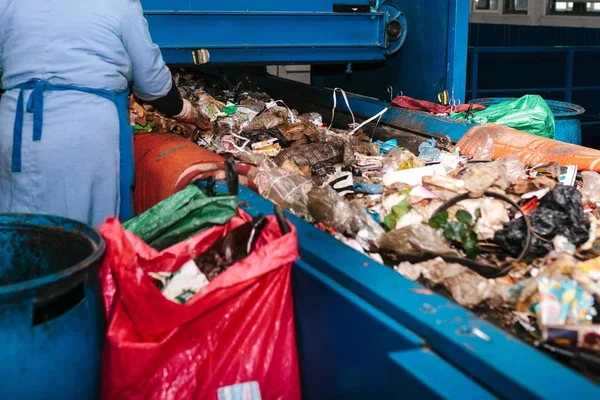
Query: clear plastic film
point(591, 187)
point(286, 188)
point(349, 218)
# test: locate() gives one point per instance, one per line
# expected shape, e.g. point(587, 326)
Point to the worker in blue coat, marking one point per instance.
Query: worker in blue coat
point(65, 137)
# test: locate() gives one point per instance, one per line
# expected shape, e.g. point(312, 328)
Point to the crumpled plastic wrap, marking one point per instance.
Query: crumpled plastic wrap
point(493, 215)
point(591, 187)
point(559, 213)
point(417, 240)
point(485, 148)
point(466, 287)
point(288, 189)
point(444, 186)
point(428, 150)
point(513, 167)
point(349, 218)
point(481, 177)
point(297, 132)
point(270, 119)
point(398, 159)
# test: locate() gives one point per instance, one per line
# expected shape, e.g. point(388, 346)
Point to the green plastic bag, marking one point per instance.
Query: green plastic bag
point(181, 216)
point(529, 114)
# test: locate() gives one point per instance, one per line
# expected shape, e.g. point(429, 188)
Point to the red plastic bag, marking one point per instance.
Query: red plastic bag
point(238, 329)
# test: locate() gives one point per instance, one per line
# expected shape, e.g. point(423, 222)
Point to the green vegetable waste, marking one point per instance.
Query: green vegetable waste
point(181, 216)
point(529, 114)
point(459, 231)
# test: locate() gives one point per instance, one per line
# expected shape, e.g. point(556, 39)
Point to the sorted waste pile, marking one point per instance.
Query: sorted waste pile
point(519, 246)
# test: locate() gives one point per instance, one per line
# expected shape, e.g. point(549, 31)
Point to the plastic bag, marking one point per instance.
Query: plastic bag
point(591, 187)
point(468, 288)
point(288, 189)
point(529, 114)
point(238, 329)
point(181, 216)
point(428, 150)
point(349, 218)
point(417, 240)
point(560, 212)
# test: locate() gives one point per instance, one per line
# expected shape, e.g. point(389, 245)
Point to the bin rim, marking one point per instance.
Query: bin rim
point(560, 109)
point(28, 221)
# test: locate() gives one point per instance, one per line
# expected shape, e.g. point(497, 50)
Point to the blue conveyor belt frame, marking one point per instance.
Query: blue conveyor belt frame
point(443, 347)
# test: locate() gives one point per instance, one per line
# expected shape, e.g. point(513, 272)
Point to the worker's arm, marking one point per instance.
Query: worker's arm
point(151, 77)
point(152, 81)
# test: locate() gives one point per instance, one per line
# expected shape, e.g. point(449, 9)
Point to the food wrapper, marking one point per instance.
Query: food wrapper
point(368, 163)
point(574, 337)
point(182, 285)
point(267, 148)
point(563, 303)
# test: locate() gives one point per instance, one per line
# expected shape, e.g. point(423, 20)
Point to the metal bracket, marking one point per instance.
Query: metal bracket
point(396, 28)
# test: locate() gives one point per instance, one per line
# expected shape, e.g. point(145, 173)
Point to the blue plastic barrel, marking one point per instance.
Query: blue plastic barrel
point(566, 117)
point(51, 317)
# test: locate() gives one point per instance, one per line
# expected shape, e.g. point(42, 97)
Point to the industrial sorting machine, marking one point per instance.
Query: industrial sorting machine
point(364, 331)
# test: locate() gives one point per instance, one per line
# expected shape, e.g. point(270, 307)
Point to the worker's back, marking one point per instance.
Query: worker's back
point(66, 41)
point(59, 139)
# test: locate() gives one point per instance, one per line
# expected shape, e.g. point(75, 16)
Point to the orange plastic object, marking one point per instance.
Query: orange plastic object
point(531, 149)
point(166, 163)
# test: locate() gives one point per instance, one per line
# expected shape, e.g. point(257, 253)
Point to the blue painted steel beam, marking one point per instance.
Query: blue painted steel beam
point(284, 34)
point(277, 55)
point(497, 360)
point(458, 34)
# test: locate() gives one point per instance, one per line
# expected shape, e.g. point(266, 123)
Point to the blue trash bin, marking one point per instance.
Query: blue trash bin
point(51, 316)
point(567, 126)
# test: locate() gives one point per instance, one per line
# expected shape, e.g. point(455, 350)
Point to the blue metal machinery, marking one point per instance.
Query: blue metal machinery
point(366, 332)
point(239, 31)
point(363, 330)
point(417, 47)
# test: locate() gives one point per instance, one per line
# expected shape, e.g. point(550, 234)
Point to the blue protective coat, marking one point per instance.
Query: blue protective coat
point(69, 163)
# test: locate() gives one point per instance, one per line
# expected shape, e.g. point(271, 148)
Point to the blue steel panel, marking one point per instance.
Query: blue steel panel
point(237, 5)
point(241, 27)
point(504, 364)
point(350, 350)
point(437, 376)
point(431, 59)
point(343, 342)
point(241, 30)
point(278, 56)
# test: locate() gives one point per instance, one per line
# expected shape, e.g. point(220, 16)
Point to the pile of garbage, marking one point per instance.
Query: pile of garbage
point(497, 237)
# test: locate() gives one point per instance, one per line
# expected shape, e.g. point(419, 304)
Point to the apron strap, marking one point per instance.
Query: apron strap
point(35, 105)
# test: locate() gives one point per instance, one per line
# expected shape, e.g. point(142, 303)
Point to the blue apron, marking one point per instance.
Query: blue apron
point(35, 105)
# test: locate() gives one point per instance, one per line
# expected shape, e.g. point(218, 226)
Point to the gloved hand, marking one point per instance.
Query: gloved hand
point(191, 114)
